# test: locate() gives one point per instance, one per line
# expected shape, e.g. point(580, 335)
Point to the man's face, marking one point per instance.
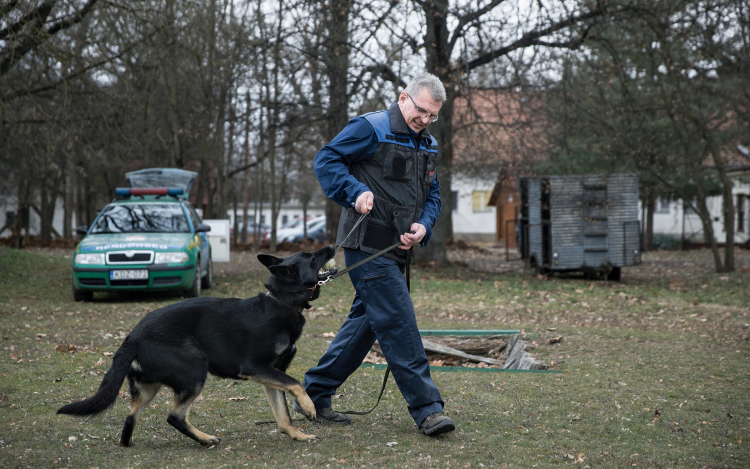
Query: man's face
point(417, 120)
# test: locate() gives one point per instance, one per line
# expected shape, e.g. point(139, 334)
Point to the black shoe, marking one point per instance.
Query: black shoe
point(437, 423)
point(326, 415)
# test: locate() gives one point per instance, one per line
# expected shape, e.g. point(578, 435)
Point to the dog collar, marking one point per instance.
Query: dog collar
point(270, 295)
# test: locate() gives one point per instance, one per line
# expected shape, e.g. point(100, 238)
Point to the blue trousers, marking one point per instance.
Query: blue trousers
point(382, 309)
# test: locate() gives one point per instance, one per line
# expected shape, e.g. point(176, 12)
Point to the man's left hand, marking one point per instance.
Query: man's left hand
point(408, 239)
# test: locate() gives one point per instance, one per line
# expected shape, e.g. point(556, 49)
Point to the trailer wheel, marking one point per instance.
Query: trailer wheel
point(614, 274)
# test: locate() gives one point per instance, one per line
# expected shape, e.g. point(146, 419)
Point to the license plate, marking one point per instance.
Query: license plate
point(128, 274)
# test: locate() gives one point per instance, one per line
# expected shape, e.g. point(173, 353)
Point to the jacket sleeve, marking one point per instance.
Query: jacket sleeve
point(355, 143)
point(431, 211)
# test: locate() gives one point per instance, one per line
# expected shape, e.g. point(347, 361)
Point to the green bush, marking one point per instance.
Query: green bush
point(665, 242)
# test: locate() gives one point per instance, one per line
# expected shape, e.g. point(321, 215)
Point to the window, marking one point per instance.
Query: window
point(454, 200)
point(662, 205)
point(194, 217)
point(284, 219)
point(479, 201)
point(145, 218)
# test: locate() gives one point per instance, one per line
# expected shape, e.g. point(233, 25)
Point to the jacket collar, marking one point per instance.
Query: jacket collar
point(398, 123)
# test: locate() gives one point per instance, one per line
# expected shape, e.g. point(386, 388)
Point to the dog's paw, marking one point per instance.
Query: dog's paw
point(308, 408)
point(211, 441)
point(299, 436)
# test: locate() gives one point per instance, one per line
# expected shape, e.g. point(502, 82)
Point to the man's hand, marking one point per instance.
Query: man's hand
point(408, 239)
point(364, 202)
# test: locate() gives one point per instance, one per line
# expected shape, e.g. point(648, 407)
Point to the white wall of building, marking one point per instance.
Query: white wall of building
point(473, 219)
point(10, 204)
point(669, 216)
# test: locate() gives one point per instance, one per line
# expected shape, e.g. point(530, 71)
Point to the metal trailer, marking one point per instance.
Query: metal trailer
point(586, 223)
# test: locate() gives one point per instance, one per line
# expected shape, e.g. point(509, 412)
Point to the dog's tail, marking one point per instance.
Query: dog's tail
point(107, 393)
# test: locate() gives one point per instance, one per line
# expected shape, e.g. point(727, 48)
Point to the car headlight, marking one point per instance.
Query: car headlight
point(170, 257)
point(97, 259)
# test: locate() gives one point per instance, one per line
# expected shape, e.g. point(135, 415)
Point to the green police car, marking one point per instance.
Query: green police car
point(149, 238)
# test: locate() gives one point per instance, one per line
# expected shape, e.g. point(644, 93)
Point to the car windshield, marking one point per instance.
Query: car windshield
point(145, 218)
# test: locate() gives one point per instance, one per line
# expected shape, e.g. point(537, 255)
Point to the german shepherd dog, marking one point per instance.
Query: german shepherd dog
point(249, 339)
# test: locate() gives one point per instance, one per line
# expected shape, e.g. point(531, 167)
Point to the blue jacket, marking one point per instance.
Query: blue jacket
point(356, 145)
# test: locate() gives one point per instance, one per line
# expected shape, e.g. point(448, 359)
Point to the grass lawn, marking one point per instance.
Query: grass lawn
point(656, 373)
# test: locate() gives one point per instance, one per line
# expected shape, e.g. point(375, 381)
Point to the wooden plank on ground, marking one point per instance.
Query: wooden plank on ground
point(438, 348)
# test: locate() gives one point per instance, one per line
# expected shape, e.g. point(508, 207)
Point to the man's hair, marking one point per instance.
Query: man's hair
point(431, 83)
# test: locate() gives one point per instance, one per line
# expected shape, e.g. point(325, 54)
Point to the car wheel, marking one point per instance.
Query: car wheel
point(79, 295)
point(208, 279)
point(195, 290)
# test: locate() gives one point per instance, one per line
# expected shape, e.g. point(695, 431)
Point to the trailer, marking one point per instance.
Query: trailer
point(585, 223)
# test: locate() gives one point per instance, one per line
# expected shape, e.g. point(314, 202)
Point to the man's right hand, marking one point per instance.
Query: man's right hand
point(364, 202)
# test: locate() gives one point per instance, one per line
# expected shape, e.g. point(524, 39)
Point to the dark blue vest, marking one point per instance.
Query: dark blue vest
point(400, 176)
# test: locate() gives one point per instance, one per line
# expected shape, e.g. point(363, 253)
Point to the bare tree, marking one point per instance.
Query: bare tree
point(28, 25)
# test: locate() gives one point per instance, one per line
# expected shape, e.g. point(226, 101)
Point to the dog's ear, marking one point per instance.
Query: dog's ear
point(268, 260)
point(285, 272)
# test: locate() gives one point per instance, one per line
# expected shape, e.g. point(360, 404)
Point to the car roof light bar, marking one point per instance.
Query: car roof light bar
point(136, 191)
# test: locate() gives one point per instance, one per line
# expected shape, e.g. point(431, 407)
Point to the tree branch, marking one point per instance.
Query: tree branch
point(7, 7)
point(38, 17)
point(468, 18)
point(77, 73)
point(386, 73)
point(244, 167)
point(528, 39)
point(40, 12)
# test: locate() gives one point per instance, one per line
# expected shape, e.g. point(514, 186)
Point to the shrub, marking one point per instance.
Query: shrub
point(665, 242)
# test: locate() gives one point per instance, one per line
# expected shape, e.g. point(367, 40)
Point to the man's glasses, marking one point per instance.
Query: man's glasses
point(423, 113)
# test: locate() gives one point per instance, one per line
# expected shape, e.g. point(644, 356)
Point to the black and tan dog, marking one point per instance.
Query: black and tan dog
point(254, 339)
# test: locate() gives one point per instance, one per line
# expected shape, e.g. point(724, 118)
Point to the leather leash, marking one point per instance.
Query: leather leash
point(407, 274)
point(320, 283)
point(367, 259)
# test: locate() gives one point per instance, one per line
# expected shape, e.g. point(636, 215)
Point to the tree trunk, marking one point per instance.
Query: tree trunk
point(706, 221)
point(45, 225)
point(438, 53)
point(273, 119)
point(171, 80)
point(648, 236)
point(81, 218)
point(305, 202)
point(337, 55)
point(67, 202)
point(22, 215)
point(201, 187)
point(246, 173)
point(223, 182)
point(436, 250)
point(728, 208)
point(236, 224)
point(206, 183)
point(258, 203)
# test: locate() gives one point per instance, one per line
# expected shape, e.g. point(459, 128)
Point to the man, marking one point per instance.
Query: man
point(383, 163)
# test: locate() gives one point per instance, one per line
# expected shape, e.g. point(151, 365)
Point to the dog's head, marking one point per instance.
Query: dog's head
point(297, 272)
